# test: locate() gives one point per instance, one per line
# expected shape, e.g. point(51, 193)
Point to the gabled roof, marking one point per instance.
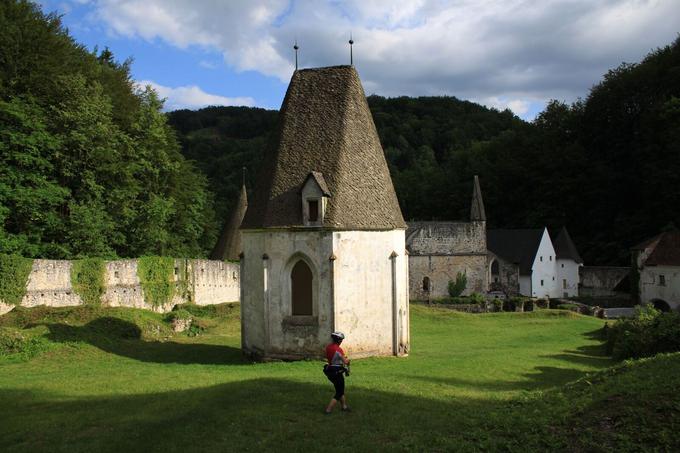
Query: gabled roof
point(565, 248)
point(477, 207)
point(325, 125)
point(665, 249)
point(516, 246)
point(318, 178)
point(228, 245)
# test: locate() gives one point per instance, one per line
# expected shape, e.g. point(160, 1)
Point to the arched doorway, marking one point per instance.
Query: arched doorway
point(426, 284)
point(661, 305)
point(301, 280)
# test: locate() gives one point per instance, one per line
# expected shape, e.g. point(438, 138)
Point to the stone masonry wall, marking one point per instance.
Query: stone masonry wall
point(208, 282)
point(440, 269)
point(600, 281)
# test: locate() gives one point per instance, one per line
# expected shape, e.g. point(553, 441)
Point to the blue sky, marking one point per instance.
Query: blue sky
point(513, 54)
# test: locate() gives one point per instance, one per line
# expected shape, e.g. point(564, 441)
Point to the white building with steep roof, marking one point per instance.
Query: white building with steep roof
point(323, 237)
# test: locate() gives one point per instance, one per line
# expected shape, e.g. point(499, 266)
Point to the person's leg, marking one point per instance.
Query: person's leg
point(339, 385)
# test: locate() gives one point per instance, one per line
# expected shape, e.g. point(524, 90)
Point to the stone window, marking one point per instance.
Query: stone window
point(313, 209)
point(541, 258)
point(562, 264)
point(550, 258)
point(495, 271)
point(541, 282)
point(662, 280)
point(426, 284)
point(301, 280)
point(564, 283)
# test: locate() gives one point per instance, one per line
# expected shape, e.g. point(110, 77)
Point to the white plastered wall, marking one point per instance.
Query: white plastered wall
point(371, 291)
point(353, 291)
point(567, 275)
point(651, 287)
point(544, 270)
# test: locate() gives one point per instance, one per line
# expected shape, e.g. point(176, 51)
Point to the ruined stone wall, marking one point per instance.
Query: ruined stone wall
point(507, 279)
point(441, 269)
point(600, 281)
point(446, 238)
point(208, 282)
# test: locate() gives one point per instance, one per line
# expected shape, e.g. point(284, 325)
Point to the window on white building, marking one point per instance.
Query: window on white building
point(541, 282)
point(550, 257)
point(564, 283)
point(541, 258)
point(662, 280)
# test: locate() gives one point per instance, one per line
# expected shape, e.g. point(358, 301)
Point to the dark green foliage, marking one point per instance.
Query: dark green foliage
point(14, 271)
point(87, 279)
point(156, 277)
point(457, 287)
point(88, 164)
point(648, 333)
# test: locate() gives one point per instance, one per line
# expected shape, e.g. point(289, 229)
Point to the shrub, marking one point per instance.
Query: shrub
point(87, 279)
point(476, 298)
point(649, 332)
point(156, 276)
point(456, 288)
point(14, 271)
point(497, 305)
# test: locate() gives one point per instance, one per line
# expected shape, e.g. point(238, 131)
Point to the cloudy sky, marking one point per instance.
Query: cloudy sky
point(513, 54)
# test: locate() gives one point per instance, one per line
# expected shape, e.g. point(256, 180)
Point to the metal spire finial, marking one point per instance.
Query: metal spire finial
point(296, 56)
point(351, 43)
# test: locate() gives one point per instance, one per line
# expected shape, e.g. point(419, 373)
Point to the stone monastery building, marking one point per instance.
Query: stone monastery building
point(323, 238)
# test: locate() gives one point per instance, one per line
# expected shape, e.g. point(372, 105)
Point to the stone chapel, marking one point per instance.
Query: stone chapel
point(323, 238)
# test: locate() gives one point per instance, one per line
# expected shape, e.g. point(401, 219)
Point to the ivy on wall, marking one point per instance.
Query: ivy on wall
point(14, 271)
point(87, 279)
point(156, 274)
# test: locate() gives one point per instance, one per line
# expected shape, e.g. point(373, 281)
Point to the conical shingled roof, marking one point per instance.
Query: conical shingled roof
point(477, 211)
point(325, 126)
point(228, 245)
point(565, 248)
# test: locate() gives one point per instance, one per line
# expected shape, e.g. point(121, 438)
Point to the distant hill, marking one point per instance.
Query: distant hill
point(417, 134)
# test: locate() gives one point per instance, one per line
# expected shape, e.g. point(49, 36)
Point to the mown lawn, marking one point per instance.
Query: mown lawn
point(472, 382)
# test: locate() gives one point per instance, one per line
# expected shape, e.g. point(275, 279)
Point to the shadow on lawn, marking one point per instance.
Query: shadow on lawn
point(124, 338)
point(257, 415)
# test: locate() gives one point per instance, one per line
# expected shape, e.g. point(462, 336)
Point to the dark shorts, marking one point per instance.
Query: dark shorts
point(336, 375)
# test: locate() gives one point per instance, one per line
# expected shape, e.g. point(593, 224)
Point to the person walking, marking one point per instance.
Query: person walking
point(335, 370)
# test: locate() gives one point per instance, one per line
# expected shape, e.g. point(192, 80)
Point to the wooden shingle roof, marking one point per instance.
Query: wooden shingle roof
point(325, 126)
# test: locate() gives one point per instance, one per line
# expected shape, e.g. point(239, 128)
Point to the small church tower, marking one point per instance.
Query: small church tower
point(323, 237)
point(228, 245)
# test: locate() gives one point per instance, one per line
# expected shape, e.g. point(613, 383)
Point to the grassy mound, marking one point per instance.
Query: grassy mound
point(634, 406)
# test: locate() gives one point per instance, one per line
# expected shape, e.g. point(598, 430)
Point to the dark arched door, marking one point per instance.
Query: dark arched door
point(301, 280)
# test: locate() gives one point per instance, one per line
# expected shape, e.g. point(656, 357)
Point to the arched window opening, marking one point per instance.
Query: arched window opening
point(426, 283)
point(495, 271)
point(661, 305)
point(301, 283)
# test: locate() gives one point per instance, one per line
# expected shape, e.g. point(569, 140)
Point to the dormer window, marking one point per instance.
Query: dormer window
point(313, 208)
point(315, 195)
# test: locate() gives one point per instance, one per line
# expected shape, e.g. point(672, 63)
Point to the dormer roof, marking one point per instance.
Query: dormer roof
point(320, 182)
point(325, 126)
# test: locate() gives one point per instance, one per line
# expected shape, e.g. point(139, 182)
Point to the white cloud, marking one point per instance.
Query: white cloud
point(474, 49)
point(192, 97)
point(207, 64)
point(518, 106)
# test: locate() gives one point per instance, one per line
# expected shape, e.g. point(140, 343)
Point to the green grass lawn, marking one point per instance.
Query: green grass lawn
point(472, 382)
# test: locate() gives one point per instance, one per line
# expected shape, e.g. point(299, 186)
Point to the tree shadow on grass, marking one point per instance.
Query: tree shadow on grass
point(124, 338)
point(256, 415)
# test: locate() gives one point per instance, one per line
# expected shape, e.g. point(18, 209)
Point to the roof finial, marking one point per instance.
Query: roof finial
point(296, 49)
point(351, 43)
